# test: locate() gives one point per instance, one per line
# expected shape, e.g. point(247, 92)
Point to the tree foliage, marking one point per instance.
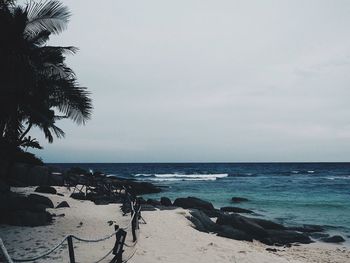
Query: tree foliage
point(37, 88)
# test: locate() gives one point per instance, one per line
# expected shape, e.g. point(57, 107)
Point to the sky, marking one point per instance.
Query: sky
point(209, 81)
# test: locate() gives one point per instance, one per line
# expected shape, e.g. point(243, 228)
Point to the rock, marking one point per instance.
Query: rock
point(165, 201)
point(285, 237)
point(27, 218)
point(266, 224)
point(46, 189)
point(193, 202)
point(212, 212)
point(141, 188)
point(153, 202)
point(39, 199)
point(230, 232)
point(307, 228)
point(235, 210)
point(202, 221)
point(239, 199)
point(333, 239)
point(244, 224)
point(62, 204)
point(319, 235)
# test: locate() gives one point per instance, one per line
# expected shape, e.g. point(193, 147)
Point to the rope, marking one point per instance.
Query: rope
point(109, 252)
point(42, 255)
point(4, 252)
point(132, 254)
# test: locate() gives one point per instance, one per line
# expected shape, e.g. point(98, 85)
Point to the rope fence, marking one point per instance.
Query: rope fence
point(120, 234)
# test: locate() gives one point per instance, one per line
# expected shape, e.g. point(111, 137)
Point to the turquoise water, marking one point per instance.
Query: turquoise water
point(291, 193)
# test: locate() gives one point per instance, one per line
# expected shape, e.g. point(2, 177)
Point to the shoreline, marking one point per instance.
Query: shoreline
point(168, 236)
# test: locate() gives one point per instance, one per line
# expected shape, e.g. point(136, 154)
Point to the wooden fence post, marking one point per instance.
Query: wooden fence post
point(133, 226)
point(118, 247)
point(71, 249)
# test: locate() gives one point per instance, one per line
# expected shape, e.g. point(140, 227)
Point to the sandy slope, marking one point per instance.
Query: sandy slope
point(167, 237)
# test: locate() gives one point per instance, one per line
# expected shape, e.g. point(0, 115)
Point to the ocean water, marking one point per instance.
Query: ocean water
point(290, 193)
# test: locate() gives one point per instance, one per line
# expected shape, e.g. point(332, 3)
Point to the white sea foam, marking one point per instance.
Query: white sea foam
point(339, 178)
point(179, 177)
point(310, 172)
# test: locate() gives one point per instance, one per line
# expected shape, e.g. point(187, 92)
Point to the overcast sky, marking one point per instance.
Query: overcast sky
point(187, 81)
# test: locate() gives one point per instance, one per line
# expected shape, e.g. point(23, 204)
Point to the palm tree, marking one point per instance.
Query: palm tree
point(37, 87)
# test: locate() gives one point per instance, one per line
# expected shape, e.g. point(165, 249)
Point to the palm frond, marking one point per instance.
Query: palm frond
point(51, 16)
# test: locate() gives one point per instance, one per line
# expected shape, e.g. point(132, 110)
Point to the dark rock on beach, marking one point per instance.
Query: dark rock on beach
point(62, 204)
point(153, 202)
point(193, 202)
point(46, 189)
point(239, 199)
point(236, 210)
point(39, 199)
point(307, 228)
point(165, 201)
point(240, 227)
point(333, 239)
point(244, 224)
point(28, 218)
point(212, 212)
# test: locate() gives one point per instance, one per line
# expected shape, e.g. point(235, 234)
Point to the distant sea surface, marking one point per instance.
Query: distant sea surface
point(291, 193)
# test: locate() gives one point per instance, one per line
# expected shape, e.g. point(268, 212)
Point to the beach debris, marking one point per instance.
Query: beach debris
point(62, 204)
point(60, 194)
point(239, 199)
point(165, 201)
point(333, 239)
point(45, 189)
point(193, 202)
point(80, 224)
point(235, 210)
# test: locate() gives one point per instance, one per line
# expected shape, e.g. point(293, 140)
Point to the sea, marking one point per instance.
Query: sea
point(289, 193)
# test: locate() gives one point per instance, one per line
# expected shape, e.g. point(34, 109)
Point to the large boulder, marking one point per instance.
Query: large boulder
point(267, 224)
point(244, 224)
point(193, 202)
point(333, 239)
point(28, 218)
point(230, 232)
point(307, 228)
point(153, 202)
point(235, 210)
point(239, 199)
point(46, 189)
point(212, 212)
point(165, 201)
point(39, 199)
point(202, 222)
point(284, 237)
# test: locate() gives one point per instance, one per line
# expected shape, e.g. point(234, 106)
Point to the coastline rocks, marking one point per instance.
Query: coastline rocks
point(212, 212)
point(236, 210)
point(230, 232)
point(46, 189)
point(202, 222)
point(193, 202)
point(62, 204)
point(165, 201)
point(307, 228)
point(244, 224)
point(28, 218)
point(39, 199)
point(285, 237)
point(333, 239)
point(239, 199)
point(153, 202)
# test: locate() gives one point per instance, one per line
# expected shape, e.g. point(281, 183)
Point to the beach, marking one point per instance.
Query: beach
point(167, 236)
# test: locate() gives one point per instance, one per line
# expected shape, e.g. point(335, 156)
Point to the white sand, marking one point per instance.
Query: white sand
point(31, 241)
point(167, 237)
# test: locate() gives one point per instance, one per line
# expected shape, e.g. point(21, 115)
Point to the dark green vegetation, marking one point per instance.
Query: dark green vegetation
point(37, 87)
